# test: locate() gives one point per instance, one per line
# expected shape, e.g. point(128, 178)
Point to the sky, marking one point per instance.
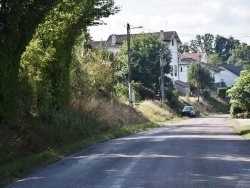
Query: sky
point(187, 17)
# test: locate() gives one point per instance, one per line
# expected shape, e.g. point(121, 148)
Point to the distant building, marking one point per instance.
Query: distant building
point(223, 75)
point(188, 59)
point(115, 42)
point(230, 74)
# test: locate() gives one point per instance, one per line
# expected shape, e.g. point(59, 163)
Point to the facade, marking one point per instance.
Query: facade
point(230, 74)
point(187, 59)
point(115, 42)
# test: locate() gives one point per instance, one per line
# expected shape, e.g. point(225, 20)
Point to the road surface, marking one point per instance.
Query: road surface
point(198, 152)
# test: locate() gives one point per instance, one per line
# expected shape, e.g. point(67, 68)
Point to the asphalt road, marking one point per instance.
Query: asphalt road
point(198, 152)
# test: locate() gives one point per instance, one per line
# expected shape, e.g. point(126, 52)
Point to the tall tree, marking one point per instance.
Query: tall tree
point(20, 20)
point(201, 43)
point(214, 59)
point(184, 48)
point(145, 61)
point(223, 46)
point(205, 43)
point(241, 56)
point(200, 77)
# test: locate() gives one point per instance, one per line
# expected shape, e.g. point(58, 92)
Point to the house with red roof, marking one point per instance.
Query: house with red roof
point(187, 59)
point(180, 62)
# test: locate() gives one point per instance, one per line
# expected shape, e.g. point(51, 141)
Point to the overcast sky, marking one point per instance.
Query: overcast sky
point(187, 17)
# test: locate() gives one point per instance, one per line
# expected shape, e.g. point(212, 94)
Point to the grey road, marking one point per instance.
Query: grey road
point(198, 152)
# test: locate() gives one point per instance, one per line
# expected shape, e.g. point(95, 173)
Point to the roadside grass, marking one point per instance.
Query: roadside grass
point(243, 131)
point(207, 106)
point(35, 143)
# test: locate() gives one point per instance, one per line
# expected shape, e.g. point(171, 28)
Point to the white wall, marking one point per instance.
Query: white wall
point(216, 75)
point(174, 50)
point(114, 49)
point(183, 72)
point(228, 77)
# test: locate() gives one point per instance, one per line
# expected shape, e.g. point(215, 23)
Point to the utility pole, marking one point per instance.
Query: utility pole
point(129, 68)
point(162, 77)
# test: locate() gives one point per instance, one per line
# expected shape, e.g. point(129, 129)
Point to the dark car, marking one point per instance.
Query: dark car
point(188, 111)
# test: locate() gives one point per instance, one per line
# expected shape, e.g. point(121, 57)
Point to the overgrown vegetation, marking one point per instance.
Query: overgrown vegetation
point(45, 139)
point(42, 34)
point(240, 96)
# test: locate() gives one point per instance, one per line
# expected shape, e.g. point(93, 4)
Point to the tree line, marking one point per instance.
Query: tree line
point(219, 49)
point(37, 40)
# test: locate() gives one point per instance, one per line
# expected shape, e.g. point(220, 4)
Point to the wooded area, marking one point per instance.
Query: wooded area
point(37, 39)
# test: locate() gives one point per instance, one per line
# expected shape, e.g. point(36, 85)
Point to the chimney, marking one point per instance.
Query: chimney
point(199, 58)
point(113, 42)
point(161, 34)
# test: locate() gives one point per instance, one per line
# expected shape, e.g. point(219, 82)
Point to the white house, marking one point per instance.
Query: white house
point(187, 59)
point(115, 42)
point(230, 73)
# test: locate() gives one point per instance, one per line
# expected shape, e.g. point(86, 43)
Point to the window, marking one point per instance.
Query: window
point(181, 69)
point(172, 42)
point(175, 70)
point(171, 70)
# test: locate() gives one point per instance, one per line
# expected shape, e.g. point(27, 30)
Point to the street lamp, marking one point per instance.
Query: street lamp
point(129, 65)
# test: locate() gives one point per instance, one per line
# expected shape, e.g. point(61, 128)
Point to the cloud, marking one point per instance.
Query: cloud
point(224, 17)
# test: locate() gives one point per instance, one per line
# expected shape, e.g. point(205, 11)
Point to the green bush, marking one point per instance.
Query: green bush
point(172, 96)
point(236, 110)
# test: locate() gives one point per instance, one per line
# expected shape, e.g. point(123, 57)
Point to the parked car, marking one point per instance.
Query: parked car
point(188, 111)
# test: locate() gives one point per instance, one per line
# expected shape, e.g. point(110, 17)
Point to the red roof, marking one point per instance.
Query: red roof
point(195, 56)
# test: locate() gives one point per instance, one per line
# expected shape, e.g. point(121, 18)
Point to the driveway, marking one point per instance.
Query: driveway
point(198, 152)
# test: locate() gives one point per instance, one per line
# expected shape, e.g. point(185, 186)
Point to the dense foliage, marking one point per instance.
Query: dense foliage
point(240, 93)
point(46, 31)
point(241, 56)
point(18, 21)
point(200, 77)
point(145, 60)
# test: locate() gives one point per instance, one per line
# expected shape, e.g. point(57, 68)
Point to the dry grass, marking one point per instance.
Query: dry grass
point(153, 112)
point(112, 112)
point(206, 106)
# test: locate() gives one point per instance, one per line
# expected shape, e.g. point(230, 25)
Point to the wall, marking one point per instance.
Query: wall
point(228, 76)
point(174, 50)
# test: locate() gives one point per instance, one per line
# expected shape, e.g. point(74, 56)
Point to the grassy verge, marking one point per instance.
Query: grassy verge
point(12, 171)
point(243, 130)
point(35, 144)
